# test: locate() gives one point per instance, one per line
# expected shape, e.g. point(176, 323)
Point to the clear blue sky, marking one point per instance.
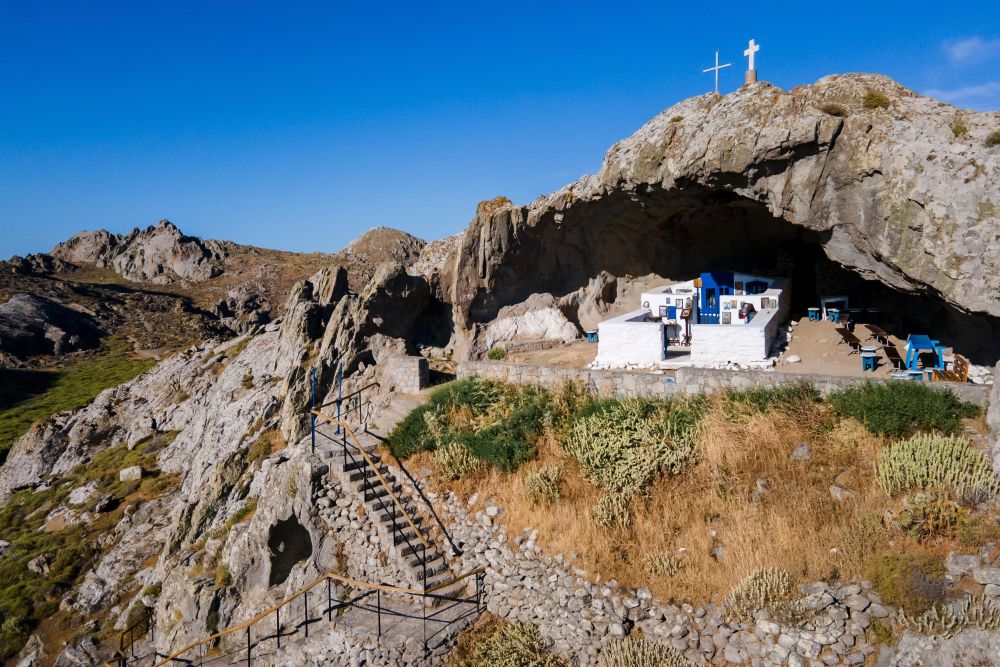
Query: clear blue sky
point(298, 125)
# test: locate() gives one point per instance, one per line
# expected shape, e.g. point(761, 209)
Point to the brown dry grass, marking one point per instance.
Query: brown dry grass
point(797, 526)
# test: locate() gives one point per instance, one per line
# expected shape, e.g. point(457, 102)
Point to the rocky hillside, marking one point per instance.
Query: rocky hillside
point(192, 491)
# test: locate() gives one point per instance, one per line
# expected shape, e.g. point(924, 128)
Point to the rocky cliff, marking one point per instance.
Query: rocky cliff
point(855, 171)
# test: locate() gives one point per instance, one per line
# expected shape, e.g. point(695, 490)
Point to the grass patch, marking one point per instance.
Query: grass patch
point(833, 110)
point(902, 408)
point(911, 582)
point(496, 354)
point(959, 129)
point(993, 139)
point(32, 397)
point(876, 100)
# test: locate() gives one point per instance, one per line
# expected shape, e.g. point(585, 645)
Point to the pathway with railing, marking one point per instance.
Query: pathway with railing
point(426, 614)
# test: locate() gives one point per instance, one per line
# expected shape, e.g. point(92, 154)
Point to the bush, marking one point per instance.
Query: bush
point(959, 129)
point(993, 139)
point(630, 652)
point(979, 612)
point(902, 408)
point(741, 404)
point(496, 354)
point(929, 515)
point(834, 110)
point(623, 445)
point(936, 462)
point(515, 645)
point(498, 423)
point(455, 460)
point(763, 588)
point(876, 100)
point(663, 564)
point(542, 485)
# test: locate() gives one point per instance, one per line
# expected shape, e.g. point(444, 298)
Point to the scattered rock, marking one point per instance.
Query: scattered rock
point(130, 474)
point(793, 359)
point(81, 494)
point(802, 452)
point(840, 494)
point(39, 565)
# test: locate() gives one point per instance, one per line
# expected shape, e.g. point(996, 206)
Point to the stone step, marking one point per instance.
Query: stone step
point(386, 519)
point(372, 494)
point(361, 474)
point(435, 563)
point(358, 462)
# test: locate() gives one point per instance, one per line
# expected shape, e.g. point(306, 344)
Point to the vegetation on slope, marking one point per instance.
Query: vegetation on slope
point(30, 396)
point(707, 491)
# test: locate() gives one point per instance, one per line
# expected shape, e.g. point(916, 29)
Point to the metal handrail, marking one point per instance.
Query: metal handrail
point(328, 576)
point(371, 463)
point(349, 396)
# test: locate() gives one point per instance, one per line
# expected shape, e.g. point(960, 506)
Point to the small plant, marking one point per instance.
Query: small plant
point(959, 129)
point(763, 588)
point(834, 110)
point(663, 564)
point(223, 578)
point(542, 485)
point(676, 119)
point(929, 515)
point(901, 408)
point(993, 139)
point(515, 645)
point(630, 652)
point(248, 381)
point(978, 612)
point(876, 100)
point(455, 460)
point(496, 354)
point(931, 461)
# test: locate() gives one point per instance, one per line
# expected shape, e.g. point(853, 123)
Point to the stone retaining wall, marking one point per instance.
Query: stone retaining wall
point(407, 374)
point(684, 381)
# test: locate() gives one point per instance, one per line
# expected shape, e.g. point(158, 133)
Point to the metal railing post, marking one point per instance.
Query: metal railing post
point(277, 625)
point(378, 598)
point(329, 600)
point(248, 646)
point(305, 602)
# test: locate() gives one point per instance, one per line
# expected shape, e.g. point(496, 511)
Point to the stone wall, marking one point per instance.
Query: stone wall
point(684, 381)
point(407, 374)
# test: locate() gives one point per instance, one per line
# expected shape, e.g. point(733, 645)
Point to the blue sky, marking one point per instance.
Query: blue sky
point(299, 125)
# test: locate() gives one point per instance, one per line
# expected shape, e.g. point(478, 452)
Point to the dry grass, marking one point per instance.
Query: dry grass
point(797, 526)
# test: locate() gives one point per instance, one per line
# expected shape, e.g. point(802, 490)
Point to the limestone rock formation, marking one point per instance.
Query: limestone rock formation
point(159, 254)
point(33, 325)
point(756, 179)
point(245, 306)
point(538, 318)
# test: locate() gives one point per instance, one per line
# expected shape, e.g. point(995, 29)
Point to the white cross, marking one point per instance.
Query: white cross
point(751, 49)
point(716, 70)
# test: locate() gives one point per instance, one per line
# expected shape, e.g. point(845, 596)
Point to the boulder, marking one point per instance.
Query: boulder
point(130, 474)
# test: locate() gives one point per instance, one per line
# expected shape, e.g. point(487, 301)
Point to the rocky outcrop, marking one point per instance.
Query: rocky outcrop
point(159, 254)
point(38, 264)
point(245, 306)
point(746, 181)
point(32, 325)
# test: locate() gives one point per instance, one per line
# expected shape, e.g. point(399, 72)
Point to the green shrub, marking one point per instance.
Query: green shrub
point(496, 353)
point(763, 588)
point(498, 423)
point(834, 110)
point(978, 612)
point(936, 462)
point(623, 445)
point(902, 408)
point(542, 485)
point(993, 139)
point(630, 652)
point(515, 645)
point(741, 404)
point(876, 100)
point(959, 129)
point(455, 460)
point(676, 119)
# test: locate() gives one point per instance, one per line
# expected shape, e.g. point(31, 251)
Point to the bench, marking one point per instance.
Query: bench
point(893, 355)
point(958, 373)
point(878, 333)
point(847, 337)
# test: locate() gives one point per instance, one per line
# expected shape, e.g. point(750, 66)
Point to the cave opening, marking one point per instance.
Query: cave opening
point(288, 543)
point(677, 234)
